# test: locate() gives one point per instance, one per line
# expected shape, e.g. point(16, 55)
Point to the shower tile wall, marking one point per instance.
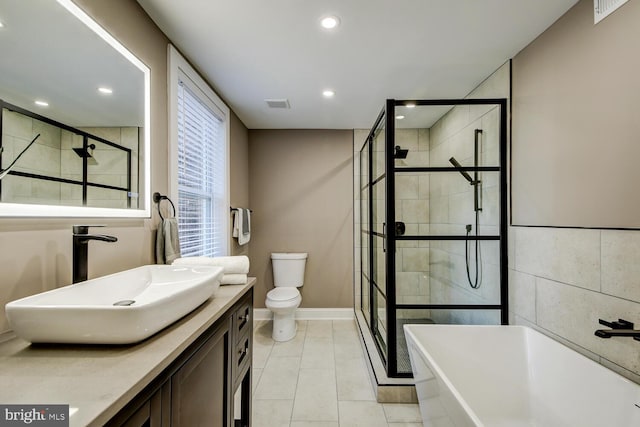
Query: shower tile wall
point(452, 208)
point(413, 208)
point(561, 281)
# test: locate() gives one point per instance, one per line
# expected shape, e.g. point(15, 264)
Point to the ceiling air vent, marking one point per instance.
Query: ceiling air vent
point(603, 8)
point(277, 103)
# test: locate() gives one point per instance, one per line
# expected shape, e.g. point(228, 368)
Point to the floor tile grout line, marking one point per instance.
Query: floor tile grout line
point(295, 392)
point(335, 370)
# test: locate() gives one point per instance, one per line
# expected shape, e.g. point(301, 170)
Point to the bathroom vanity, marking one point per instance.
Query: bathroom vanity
point(195, 372)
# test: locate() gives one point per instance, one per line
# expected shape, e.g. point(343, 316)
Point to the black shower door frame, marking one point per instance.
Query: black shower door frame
point(390, 356)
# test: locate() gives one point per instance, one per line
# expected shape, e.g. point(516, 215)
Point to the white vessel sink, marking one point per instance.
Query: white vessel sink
point(121, 308)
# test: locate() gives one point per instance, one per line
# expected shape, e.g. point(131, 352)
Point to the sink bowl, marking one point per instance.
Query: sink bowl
point(121, 308)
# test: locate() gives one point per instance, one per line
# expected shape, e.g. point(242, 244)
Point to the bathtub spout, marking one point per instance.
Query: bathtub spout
point(608, 333)
point(619, 328)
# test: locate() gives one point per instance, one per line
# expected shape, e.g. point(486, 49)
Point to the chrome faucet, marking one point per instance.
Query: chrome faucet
point(81, 239)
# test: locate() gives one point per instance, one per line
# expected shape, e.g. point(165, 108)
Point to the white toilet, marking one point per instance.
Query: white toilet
point(288, 275)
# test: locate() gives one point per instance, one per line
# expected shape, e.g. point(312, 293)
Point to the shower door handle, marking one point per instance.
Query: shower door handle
point(384, 237)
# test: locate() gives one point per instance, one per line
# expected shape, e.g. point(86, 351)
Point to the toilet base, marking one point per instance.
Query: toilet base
point(284, 327)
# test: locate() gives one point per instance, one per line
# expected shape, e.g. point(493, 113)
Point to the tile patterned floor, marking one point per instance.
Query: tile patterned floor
point(318, 379)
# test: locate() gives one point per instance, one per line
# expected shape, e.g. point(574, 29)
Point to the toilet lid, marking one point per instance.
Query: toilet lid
point(283, 294)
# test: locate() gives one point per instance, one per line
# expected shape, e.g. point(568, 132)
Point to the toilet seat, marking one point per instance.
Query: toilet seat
point(283, 294)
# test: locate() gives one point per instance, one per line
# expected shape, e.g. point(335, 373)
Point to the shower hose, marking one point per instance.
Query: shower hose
point(477, 280)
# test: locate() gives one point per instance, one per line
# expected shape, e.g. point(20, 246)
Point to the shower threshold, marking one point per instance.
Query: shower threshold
point(386, 389)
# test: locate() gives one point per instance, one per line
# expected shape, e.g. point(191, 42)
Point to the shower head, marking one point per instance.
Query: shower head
point(88, 153)
point(400, 153)
point(457, 165)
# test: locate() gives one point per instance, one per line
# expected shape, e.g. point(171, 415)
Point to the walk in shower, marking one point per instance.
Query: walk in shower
point(431, 194)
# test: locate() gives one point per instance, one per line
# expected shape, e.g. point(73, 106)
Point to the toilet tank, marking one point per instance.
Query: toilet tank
point(288, 268)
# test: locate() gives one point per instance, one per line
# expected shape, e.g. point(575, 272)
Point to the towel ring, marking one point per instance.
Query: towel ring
point(157, 198)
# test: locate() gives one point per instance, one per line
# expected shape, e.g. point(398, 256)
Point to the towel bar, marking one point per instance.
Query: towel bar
point(235, 209)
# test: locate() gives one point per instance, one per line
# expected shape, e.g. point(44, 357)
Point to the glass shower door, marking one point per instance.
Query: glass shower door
point(373, 276)
point(448, 195)
point(378, 239)
point(365, 231)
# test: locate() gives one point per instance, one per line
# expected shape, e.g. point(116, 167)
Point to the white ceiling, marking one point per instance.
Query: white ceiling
point(251, 50)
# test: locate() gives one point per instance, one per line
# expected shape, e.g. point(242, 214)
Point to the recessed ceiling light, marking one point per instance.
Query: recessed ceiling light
point(105, 90)
point(1, 24)
point(410, 105)
point(400, 117)
point(328, 93)
point(330, 22)
point(41, 103)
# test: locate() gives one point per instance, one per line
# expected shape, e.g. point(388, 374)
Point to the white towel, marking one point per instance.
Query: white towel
point(242, 225)
point(233, 279)
point(230, 264)
point(167, 241)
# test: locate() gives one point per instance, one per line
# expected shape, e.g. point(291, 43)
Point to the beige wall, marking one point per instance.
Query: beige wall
point(576, 93)
point(563, 280)
point(35, 254)
point(301, 196)
point(239, 185)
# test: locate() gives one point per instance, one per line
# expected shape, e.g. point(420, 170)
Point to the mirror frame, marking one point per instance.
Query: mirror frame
point(32, 210)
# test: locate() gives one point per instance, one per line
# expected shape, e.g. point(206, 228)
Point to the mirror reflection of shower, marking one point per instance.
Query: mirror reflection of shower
point(477, 207)
point(4, 172)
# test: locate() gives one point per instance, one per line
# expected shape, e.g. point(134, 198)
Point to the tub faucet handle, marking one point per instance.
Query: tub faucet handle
point(620, 324)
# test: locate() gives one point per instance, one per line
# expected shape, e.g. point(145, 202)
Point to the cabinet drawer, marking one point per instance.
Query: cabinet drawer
point(241, 357)
point(242, 319)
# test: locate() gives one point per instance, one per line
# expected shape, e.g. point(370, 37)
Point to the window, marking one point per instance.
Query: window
point(198, 161)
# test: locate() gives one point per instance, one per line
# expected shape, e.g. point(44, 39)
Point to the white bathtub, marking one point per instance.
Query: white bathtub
point(513, 376)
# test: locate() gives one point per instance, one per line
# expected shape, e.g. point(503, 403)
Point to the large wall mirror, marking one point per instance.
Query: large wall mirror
point(75, 116)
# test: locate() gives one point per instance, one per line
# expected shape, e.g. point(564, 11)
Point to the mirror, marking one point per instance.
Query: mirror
point(64, 78)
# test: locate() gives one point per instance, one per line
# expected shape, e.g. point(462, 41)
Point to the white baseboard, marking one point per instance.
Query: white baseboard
point(309, 314)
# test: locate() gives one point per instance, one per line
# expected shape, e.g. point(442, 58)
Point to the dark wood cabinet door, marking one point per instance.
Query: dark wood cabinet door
point(200, 389)
point(151, 413)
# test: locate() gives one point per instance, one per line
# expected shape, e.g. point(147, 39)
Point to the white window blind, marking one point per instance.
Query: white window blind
point(202, 205)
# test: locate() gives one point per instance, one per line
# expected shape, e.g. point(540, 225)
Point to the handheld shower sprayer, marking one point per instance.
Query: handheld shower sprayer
point(477, 207)
point(4, 172)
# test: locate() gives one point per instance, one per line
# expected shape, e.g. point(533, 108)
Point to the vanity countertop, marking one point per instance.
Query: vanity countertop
point(98, 381)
